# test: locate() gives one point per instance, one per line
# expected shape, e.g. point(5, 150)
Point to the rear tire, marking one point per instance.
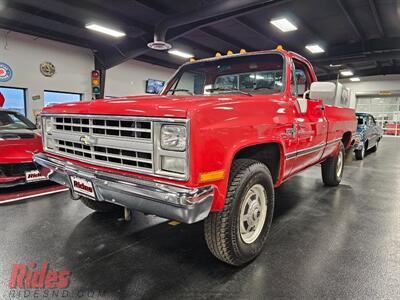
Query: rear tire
point(237, 233)
point(332, 168)
point(102, 207)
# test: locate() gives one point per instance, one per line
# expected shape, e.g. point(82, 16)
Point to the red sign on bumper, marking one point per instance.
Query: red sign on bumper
point(82, 186)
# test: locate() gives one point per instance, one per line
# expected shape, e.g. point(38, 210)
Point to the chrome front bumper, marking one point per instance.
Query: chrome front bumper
point(188, 205)
point(358, 146)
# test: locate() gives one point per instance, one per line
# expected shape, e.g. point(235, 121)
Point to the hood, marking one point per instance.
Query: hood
point(147, 105)
point(19, 150)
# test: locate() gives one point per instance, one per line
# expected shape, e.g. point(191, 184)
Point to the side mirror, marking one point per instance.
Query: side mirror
point(303, 102)
point(323, 90)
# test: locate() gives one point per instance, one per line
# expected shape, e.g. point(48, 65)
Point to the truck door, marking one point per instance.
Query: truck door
point(312, 127)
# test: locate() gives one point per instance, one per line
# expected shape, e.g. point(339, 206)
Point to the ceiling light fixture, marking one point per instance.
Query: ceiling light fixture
point(283, 24)
point(105, 30)
point(355, 79)
point(335, 66)
point(346, 73)
point(180, 53)
point(315, 48)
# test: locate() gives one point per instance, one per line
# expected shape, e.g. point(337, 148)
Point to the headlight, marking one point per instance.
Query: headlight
point(173, 164)
point(357, 139)
point(173, 137)
point(48, 125)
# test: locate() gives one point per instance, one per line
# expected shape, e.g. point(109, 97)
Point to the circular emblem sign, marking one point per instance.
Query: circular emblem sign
point(5, 72)
point(47, 69)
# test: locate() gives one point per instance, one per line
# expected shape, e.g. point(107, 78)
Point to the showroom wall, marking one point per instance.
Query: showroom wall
point(129, 78)
point(73, 66)
point(24, 53)
point(372, 84)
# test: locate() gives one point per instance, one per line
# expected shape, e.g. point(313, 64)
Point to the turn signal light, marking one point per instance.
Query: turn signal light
point(212, 176)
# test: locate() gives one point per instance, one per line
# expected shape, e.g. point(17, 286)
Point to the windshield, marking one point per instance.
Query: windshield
point(11, 120)
point(252, 74)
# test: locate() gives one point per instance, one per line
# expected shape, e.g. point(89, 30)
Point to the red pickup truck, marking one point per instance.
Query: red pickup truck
point(212, 146)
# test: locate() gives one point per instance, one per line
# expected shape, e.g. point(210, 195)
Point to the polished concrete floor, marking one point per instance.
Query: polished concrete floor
point(325, 243)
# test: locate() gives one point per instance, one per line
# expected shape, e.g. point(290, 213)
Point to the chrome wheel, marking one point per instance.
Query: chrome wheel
point(253, 213)
point(339, 164)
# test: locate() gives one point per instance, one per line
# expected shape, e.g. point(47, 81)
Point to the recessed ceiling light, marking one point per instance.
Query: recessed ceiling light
point(315, 48)
point(346, 73)
point(180, 53)
point(355, 79)
point(283, 24)
point(335, 66)
point(105, 30)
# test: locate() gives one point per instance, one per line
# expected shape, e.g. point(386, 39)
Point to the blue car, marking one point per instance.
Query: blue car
point(368, 135)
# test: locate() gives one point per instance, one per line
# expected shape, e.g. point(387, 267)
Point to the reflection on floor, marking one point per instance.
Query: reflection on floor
point(29, 191)
point(341, 243)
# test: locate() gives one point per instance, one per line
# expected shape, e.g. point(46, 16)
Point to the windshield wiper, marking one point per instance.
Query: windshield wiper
point(229, 90)
point(181, 90)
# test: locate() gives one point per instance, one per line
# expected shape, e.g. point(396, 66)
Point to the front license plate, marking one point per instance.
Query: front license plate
point(34, 175)
point(82, 186)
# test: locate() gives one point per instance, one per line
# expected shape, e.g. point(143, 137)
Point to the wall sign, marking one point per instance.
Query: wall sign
point(47, 69)
point(5, 72)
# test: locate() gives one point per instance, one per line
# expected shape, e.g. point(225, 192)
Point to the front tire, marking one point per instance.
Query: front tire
point(332, 168)
point(360, 154)
point(103, 207)
point(237, 233)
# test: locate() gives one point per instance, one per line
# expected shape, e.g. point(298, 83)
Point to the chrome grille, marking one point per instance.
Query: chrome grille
point(107, 154)
point(123, 143)
point(105, 127)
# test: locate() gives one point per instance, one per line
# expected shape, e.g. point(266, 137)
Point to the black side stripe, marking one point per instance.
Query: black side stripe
point(309, 150)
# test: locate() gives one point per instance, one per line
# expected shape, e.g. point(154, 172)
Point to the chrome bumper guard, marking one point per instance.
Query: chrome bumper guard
point(188, 205)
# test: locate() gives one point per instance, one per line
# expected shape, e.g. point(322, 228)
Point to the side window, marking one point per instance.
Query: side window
point(369, 121)
point(188, 83)
point(301, 79)
point(293, 82)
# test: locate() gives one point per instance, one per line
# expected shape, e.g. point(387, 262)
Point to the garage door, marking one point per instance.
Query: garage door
point(386, 111)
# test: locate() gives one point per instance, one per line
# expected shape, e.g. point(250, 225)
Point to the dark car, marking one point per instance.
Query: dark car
point(19, 140)
point(368, 135)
